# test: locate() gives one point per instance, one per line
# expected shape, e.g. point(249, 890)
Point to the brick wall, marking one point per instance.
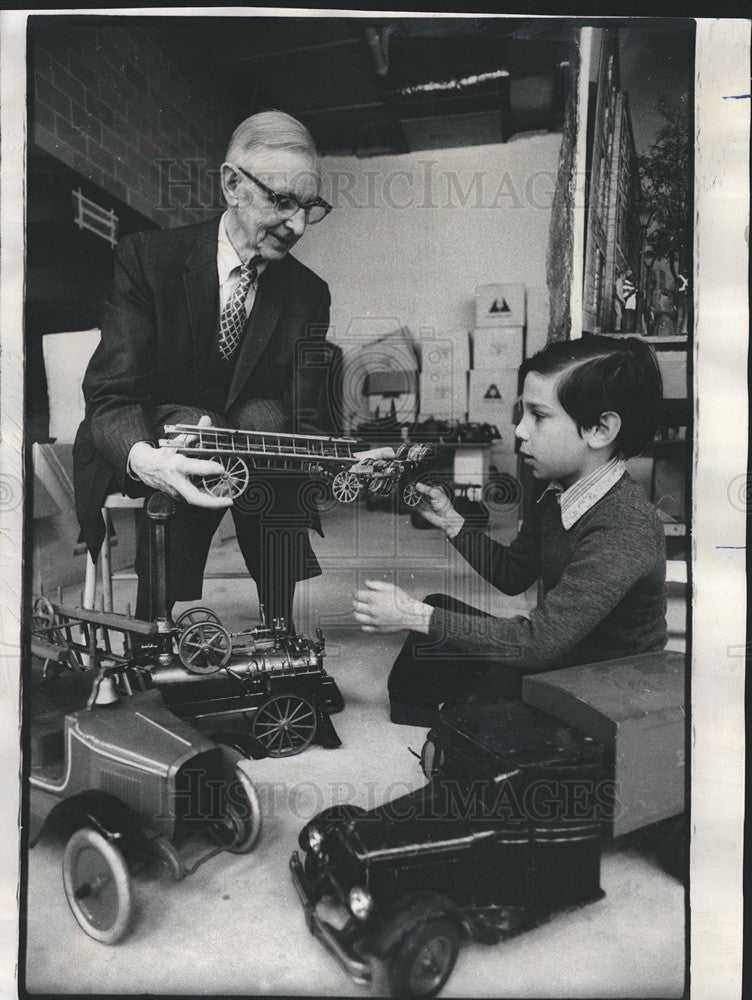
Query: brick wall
point(112, 107)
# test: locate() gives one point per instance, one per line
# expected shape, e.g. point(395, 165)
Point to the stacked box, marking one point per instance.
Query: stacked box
point(443, 378)
point(501, 305)
point(498, 347)
point(492, 395)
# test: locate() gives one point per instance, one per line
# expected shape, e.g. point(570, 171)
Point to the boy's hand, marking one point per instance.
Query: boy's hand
point(383, 607)
point(436, 508)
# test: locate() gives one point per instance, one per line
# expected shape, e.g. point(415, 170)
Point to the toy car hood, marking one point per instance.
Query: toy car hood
point(436, 817)
point(140, 731)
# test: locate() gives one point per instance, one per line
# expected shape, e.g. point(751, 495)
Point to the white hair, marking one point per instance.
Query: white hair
point(271, 130)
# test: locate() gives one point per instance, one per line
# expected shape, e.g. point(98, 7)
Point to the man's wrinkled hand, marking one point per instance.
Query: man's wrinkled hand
point(167, 470)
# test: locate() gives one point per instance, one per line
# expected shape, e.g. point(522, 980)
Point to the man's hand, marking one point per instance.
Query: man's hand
point(382, 607)
point(436, 508)
point(164, 469)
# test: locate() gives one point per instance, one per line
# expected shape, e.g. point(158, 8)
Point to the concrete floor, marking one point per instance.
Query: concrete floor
point(236, 926)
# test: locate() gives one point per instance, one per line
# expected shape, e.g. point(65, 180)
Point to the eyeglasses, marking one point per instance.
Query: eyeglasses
point(286, 205)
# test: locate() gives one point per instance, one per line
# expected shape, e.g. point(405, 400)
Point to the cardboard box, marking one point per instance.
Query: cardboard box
point(500, 305)
point(443, 376)
point(491, 397)
point(497, 347)
point(443, 394)
point(470, 465)
point(446, 352)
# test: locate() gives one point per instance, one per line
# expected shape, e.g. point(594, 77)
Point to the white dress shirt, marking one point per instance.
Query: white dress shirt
point(586, 492)
point(228, 270)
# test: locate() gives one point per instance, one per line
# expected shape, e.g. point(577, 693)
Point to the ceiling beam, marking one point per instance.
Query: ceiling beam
point(338, 43)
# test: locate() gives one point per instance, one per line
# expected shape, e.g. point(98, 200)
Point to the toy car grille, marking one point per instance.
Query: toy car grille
point(348, 869)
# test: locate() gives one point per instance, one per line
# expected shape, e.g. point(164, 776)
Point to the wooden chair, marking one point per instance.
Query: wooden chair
point(66, 356)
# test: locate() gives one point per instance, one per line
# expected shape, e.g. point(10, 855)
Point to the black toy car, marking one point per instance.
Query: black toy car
point(507, 830)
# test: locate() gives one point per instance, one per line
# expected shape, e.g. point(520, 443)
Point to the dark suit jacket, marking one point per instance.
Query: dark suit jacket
point(158, 329)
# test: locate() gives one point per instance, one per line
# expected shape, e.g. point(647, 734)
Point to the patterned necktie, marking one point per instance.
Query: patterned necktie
point(233, 319)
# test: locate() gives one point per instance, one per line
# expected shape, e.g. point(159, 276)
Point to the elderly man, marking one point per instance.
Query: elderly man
point(214, 322)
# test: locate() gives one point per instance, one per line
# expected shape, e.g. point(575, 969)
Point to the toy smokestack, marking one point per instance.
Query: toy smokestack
point(160, 509)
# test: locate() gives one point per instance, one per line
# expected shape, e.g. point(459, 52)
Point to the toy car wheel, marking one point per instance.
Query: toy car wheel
point(410, 495)
point(334, 814)
point(345, 487)
point(285, 725)
point(239, 828)
point(230, 483)
point(424, 959)
point(195, 615)
point(97, 886)
point(204, 648)
point(42, 615)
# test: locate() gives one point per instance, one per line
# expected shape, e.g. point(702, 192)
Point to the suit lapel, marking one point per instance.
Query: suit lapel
point(267, 306)
point(201, 284)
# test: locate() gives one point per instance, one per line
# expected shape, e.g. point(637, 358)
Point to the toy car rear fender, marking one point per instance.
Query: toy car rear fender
point(104, 813)
point(407, 913)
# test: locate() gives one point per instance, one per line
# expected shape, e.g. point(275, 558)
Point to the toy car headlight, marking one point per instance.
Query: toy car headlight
point(361, 903)
point(431, 759)
point(315, 839)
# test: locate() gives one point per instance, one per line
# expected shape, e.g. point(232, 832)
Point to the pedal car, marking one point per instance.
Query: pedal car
point(508, 828)
point(127, 782)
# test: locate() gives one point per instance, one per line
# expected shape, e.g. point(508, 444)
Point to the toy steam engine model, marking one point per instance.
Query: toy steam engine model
point(328, 458)
point(263, 691)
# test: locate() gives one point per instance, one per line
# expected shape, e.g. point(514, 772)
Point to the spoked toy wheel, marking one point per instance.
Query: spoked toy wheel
point(345, 487)
point(230, 483)
point(239, 827)
point(410, 495)
point(97, 886)
point(195, 615)
point(204, 648)
point(42, 615)
point(424, 959)
point(285, 725)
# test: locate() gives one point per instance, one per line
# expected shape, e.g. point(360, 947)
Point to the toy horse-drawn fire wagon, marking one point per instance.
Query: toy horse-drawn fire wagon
point(331, 459)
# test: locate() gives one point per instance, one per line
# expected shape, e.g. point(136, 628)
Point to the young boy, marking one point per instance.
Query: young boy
point(592, 539)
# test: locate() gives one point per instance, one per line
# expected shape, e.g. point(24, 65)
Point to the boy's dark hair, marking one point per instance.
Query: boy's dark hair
point(601, 374)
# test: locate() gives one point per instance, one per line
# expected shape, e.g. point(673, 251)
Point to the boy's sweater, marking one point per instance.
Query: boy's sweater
point(603, 582)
